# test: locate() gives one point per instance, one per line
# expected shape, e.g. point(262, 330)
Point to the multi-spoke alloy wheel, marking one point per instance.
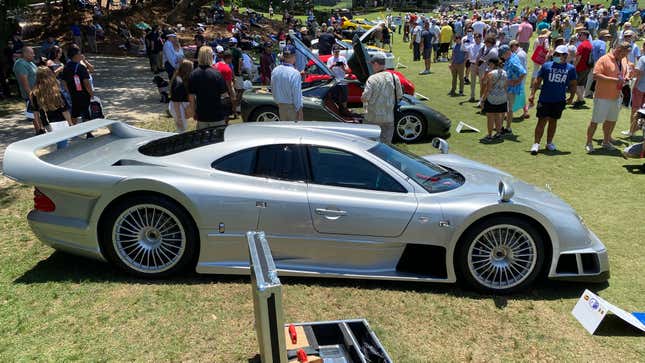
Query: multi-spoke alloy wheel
point(410, 127)
point(148, 236)
point(500, 255)
point(265, 114)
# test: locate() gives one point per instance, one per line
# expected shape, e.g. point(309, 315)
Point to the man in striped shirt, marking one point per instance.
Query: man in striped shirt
point(286, 87)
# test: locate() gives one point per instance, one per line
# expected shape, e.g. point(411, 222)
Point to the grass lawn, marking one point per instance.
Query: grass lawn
point(56, 307)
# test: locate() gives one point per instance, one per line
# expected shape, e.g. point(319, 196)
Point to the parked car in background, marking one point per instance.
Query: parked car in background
point(414, 120)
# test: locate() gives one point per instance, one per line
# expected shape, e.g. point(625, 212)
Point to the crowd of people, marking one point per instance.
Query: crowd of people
point(490, 48)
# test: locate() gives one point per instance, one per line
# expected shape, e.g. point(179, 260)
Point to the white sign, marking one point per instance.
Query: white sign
point(591, 309)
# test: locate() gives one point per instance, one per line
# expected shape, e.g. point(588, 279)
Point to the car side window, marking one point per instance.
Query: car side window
point(343, 169)
point(281, 161)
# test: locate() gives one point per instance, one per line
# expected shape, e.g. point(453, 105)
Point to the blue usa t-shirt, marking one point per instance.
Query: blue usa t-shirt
point(555, 81)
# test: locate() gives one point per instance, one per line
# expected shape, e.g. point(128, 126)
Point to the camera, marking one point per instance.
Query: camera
point(339, 64)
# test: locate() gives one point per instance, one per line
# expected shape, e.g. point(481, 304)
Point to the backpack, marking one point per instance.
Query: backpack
point(95, 108)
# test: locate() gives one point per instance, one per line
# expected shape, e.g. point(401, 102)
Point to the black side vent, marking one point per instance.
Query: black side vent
point(567, 264)
point(182, 142)
point(590, 263)
point(429, 261)
point(128, 162)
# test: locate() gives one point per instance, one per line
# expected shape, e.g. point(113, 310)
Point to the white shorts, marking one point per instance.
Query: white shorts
point(605, 110)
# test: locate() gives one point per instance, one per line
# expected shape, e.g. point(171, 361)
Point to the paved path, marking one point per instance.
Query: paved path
point(125, 87)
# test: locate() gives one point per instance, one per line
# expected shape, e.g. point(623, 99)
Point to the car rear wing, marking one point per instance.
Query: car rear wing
point(372, 132)
point(23, 164)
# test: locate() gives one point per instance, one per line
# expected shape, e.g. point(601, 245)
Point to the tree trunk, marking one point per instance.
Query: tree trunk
point(179, 12)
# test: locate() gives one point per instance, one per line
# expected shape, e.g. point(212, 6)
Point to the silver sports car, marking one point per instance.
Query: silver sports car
point(332, 201)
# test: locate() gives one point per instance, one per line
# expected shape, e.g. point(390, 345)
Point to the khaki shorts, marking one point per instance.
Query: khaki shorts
point(287, 112)
point(605, 110)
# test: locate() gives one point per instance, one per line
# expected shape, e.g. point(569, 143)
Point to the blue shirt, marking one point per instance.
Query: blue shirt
point(555, 81)
point(286, 86)
point(171, 55)
point(514, 71)
point(458, 54)
point(599, 48)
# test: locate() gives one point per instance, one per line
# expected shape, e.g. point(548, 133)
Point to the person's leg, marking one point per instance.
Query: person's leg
point(539, 130)
point(490, 123)
point(509, 113)
point(453, 72)
point(387, 132)
point(473, 81)
point(607, 129)
point(499, 121)
point(170, 70)
point(460, 75)
point(591, 129)
point(550, 132)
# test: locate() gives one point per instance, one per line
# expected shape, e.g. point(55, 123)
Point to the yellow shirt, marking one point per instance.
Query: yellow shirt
point(446, 34)
point(635, 20)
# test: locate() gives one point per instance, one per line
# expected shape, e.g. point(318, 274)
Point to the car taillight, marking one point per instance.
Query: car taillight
point(42, 202)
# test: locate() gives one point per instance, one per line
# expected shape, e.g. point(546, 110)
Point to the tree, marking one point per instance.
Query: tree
point(7, 24)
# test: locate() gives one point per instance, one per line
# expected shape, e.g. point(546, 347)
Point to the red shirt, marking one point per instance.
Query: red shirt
point(583, 51)
point(225, 70)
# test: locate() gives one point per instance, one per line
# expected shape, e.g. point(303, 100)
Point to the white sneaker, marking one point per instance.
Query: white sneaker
point(589, 148)
point(535, 148)
point(551, 147)
point(627, 133)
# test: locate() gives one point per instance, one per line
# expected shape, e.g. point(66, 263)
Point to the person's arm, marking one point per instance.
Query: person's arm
point(599, 76)
point(296, 85)
point(88, 65)
point(24, 82)
point(572, 90)
point(534, 87)
point(367, 91)
point(191, 102)
point(68, 118)
point(231, 93)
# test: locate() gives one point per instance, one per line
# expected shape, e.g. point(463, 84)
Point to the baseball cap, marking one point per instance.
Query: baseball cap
point(503, 49)
point(562, 49)
point(379, 59)
point(232, 40)
point(288, 50)
point(219, 49)
point(171, 35)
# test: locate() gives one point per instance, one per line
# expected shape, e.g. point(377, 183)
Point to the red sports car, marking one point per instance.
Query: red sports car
point(355, 89)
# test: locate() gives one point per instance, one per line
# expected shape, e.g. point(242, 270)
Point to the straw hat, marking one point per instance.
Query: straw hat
point(544, 33)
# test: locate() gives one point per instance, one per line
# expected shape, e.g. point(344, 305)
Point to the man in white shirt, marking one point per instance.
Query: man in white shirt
point(473, 53)
point(415, 41)
point(479, 26)
point(338, 66)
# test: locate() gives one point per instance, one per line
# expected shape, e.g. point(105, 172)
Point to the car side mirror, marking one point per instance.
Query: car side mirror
point(440, 144)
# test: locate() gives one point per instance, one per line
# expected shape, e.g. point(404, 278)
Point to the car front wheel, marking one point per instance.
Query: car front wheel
point(410, 127)
point(149, 236)
point(500, 255)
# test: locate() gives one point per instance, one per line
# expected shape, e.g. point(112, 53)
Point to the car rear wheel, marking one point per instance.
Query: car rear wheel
point(265, 114)
point(500, 255)
point(149, 236)
point(410, 127)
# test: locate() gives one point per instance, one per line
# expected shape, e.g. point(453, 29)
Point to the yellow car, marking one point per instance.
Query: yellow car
point(356, 23)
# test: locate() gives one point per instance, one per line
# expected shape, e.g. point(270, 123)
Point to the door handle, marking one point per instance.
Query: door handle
point(331, 212)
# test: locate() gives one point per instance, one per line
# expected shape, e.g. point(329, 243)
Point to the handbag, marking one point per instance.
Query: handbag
point(539, 54)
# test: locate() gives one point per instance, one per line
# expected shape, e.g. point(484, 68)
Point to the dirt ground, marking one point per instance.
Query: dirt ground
point(124, 85)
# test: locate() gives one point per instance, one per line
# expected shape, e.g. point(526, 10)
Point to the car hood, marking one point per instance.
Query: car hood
point(484, 179)
point(302, 48)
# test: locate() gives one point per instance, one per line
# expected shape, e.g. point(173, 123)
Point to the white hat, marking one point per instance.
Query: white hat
point(562, 49)
point(233, 40)
point(219, 49)
point(171, 35)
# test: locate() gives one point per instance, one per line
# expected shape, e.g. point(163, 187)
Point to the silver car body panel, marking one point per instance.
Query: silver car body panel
point(307, 237)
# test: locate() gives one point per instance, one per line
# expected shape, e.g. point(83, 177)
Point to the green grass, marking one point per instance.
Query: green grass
point(55, 307)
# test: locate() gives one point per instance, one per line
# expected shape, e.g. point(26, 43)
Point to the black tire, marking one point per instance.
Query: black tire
point(175, 254)
point(475, 239)
point(410, 127)
point(257, 114)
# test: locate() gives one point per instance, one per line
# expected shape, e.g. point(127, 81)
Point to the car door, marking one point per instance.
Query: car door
point(349, 195)
point(284, 209)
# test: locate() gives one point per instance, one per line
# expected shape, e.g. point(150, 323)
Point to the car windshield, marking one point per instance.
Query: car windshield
point(432, 177)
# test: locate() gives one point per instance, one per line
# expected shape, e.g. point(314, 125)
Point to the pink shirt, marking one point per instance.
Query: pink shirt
point(525, 32)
